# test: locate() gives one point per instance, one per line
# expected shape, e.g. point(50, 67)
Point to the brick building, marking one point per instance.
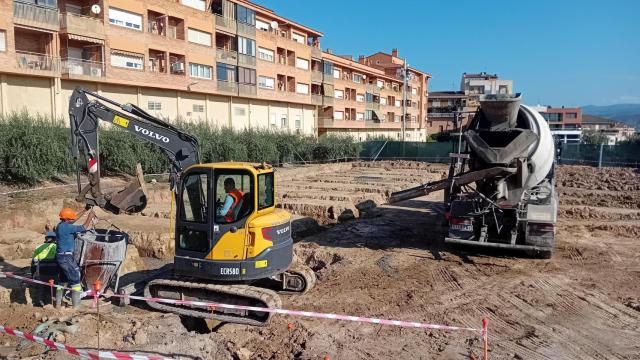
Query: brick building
point(565, 123)
point(229, 63)
point(442, 106)
point(614, 131)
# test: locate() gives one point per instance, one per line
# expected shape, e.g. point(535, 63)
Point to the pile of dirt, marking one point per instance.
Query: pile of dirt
point(588, 212)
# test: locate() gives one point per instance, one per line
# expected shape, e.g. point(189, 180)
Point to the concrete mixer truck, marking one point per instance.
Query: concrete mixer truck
point(500, 190)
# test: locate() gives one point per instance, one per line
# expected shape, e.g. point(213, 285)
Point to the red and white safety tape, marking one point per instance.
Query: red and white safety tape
point(78, 352)
point(212, 305)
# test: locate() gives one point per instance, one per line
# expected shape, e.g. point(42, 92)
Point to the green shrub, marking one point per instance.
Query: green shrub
point(36, 148)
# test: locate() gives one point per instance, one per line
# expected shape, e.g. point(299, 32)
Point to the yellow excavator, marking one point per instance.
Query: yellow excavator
point(241, 256)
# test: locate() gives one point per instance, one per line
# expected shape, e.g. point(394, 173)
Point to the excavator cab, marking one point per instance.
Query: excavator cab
point(247, 241)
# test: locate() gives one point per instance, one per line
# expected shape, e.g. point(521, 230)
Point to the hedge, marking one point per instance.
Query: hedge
point(34, 148)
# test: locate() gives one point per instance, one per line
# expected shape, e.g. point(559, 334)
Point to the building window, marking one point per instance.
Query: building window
point(198, 108)
point(196, 4)
point(199, 37)
point(327, 67)
point(302, 64)
point(338, 115)
point(359, 97)
point(226, 72)
point(265, 54)
point(266, 82)
point(245, 15)
point(284, 122)
point(154, 105)
point(3, 40)
point(383, 101)
point(126, 61)
point(357, 78)
point(339, 94)
point(397, 118)
point(200, 71)
point(571, 115)
point(502, 89)
point(413, 119)
point(246, 76)
point(414, 91)
point(336, 73)
point(246, 46)
point(125, 19)
point(398, 103)
point(302, 88)
point(359, 116)
point(298, 38)
point(298, 122)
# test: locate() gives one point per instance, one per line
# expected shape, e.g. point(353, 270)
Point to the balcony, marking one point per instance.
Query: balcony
point(226, 24)
point(247, 90)
point(328, 100)
point(227, 87)
point(316, 52)
point(372, 106)
point(246, 30)
point(81, 68)
point(37, 63)
point(246, 60)
point(82, 25)
point(316, 99)
point(227, 56)
point(316, 76)
point(373, 89)
point(36, 16)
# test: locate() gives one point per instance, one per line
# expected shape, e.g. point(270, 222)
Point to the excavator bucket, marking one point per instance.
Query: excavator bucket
point(131, 199)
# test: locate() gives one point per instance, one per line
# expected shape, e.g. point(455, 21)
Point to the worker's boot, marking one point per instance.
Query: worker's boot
point(76, 296)
point(59, 296)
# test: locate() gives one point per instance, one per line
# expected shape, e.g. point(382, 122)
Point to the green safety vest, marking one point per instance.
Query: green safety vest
point(46, 251)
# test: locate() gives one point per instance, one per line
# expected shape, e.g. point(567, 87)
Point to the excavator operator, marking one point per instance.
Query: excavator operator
point(231, 201)
point(65, 246)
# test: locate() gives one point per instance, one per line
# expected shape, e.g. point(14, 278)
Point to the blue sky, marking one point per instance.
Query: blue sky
point(558, 52)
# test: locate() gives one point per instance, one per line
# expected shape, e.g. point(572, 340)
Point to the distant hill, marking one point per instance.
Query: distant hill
point(626, 113)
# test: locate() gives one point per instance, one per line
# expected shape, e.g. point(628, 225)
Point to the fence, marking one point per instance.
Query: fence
point(622, 155)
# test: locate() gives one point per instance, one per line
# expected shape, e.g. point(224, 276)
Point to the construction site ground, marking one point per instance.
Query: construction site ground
point(388, 262)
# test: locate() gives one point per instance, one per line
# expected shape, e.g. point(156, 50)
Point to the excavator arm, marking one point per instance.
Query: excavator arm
point(85, 115)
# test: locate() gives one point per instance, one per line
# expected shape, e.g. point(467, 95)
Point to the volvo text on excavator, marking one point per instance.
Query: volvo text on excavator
point(218, 257)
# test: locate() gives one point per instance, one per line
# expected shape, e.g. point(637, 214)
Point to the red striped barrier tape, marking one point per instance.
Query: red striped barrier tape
point(212, 305)
point(76, 351)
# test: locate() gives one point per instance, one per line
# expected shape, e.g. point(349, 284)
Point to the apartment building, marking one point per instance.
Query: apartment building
point(442, 108)
point(227, 63)
point(565, 123)
point(475, 85)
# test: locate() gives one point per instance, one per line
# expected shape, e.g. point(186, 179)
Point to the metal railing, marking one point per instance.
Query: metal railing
point(35, 61)
point(226, 24)
point(228, 56)
point(328, 100)
point(316, 99)
point(227, 86)
point(372, 106)
point(246, 60)
point(83, 67)
point(373, 89)
point(81, 24)
point(36, 14)
point(247, 89)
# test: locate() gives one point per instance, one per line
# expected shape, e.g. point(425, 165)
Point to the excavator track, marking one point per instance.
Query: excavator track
point(226, 294)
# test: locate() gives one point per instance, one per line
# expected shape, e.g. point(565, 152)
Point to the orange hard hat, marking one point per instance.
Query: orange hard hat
point(68, 214)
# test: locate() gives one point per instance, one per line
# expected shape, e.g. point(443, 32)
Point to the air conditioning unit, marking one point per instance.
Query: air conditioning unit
point(96, 72)
point(177, 67)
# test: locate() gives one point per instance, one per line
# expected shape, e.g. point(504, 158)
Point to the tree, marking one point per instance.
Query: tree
point(594, 137)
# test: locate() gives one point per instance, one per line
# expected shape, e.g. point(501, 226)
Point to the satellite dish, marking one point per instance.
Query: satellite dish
point(95, 8)
point(274, 24)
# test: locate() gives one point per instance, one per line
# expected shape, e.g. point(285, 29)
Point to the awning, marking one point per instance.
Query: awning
point(86, 38)
point(126, 53)
point(328, 89)
point(377, 114)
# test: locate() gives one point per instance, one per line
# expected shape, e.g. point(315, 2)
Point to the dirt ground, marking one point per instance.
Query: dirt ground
point(388, 262)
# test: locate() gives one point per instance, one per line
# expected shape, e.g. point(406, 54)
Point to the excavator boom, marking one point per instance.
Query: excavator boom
point(84, 115)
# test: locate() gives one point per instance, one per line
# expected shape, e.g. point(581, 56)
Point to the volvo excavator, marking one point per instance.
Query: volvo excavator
point(242, 258)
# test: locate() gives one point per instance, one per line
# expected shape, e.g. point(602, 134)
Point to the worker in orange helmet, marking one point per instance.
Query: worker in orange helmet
point(65, 245)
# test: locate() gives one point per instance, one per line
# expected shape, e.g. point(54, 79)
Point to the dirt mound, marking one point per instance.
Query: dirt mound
point(586, 212)
point(608, 179)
